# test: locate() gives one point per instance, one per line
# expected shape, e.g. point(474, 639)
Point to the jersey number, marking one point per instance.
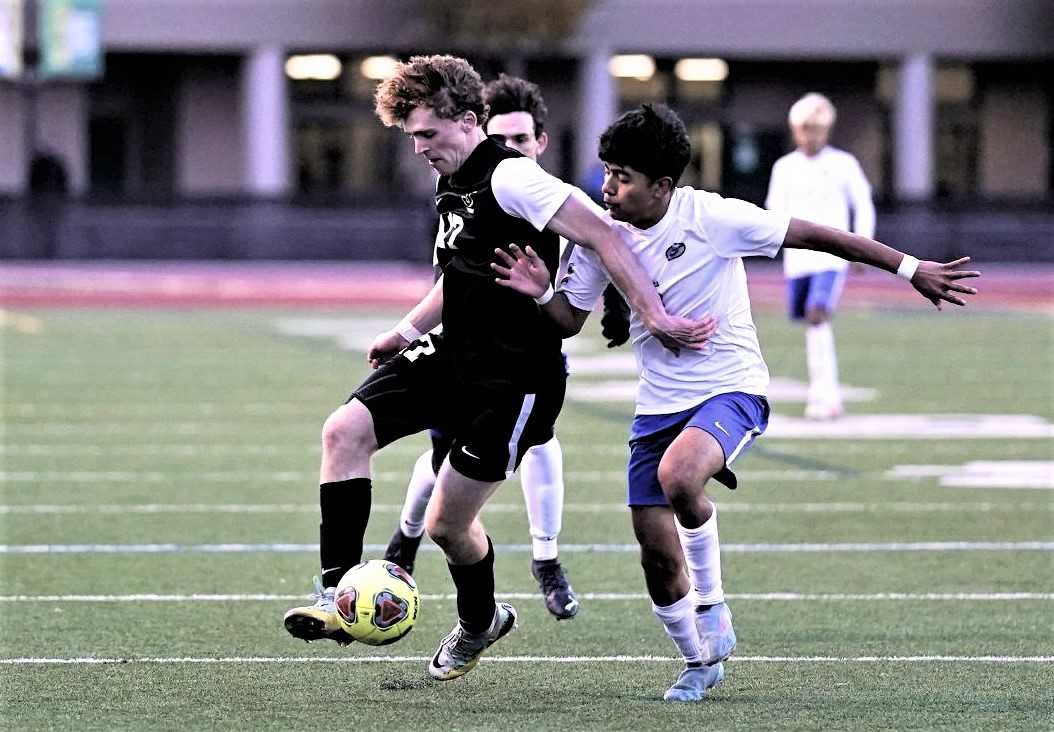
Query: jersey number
point(450, 225)
point(426, 348)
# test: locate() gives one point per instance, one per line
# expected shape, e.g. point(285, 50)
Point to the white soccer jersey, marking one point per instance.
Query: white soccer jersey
point(693, 256)
point(823, 189)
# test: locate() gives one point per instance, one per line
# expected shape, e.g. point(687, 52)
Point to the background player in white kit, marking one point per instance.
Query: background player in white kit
point(517, 120)
point(697, 411)
point(822, 184)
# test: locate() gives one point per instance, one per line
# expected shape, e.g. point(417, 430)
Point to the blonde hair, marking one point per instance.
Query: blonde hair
point(447, 84)
point(814, 109)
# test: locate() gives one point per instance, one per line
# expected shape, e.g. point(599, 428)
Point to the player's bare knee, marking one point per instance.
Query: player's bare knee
point(683, 480)
point(659, 565)
point(441, 529)
point(816, 316)
point(346, 433)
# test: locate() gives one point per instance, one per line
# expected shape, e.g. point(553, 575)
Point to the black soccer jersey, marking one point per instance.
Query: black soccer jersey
point(496, 336)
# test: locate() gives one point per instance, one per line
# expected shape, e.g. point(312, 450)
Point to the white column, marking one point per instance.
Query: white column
point(265, 122)
point(598, 105)
point(913, 128)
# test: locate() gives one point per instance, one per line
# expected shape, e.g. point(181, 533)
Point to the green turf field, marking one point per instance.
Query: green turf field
point(155, 463)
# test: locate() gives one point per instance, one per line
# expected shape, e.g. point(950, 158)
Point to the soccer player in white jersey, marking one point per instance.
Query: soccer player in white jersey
point(517, 120)
point(822, 184)
point(697, 411)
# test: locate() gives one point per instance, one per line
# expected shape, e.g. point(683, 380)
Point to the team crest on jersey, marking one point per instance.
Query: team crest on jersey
point(567, 275)
point(469, 204)
point(675, 250)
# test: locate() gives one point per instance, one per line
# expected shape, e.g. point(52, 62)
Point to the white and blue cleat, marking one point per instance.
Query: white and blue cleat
point(694, 682)
point(717, 639)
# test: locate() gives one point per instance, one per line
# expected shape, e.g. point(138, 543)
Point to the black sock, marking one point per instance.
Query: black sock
point(475, 591)
point(345, 508)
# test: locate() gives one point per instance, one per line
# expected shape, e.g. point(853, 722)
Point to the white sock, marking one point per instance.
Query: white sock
point(542, 478)
point(823, 365)
point(418, 491)
point(679, 621)
point(702, 554)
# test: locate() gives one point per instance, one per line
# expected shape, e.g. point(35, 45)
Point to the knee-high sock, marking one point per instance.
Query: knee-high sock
point(475, 592)
point(679, 621)
point(418, 491)
point(823, 365)
point(702, 554)
point(345, 507)
point(542, 477)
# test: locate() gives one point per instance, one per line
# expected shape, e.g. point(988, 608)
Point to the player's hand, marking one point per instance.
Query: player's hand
point(676, 333)
point(385, 346)
point(939, 282)
point(521, 270)
point(614, 325)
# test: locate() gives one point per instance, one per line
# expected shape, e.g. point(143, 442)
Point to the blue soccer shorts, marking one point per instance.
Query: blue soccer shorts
point(734, 419)
point(820, 290)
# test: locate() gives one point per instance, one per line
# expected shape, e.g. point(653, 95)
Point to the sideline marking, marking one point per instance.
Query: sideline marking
point(841, 507)
point(780, 391)
point(304, 476)
point(984, 474)
point(592, 596)
point(760, 548)
point(26, 661)
point(781, 426)
point(20, 322)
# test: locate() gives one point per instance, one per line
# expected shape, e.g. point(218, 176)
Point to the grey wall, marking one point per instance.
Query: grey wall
point(12, 151)
point(827, 28)
point(209, 140)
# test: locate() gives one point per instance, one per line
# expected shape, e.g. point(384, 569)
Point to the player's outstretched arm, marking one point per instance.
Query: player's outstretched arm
point(936, 281)
point(525, 272)
point(577, 222)
point(423, 317)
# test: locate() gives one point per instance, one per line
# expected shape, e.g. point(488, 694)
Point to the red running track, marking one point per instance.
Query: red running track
point(313, 284)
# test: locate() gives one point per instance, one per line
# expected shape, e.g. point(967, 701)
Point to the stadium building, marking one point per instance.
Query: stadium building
point(244, 128)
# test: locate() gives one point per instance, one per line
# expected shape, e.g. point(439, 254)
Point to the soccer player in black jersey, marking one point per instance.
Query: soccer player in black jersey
point(517, 119)
point(494, 382)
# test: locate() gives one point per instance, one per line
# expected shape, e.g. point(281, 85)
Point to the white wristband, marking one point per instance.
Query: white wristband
point(406, 329)
point(907, 267)
point(545, 296)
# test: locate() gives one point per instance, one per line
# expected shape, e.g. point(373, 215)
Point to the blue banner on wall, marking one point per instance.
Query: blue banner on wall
point(70, 34)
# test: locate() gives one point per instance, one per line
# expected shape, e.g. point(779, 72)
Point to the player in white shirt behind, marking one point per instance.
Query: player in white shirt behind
point(822, 184)
point(697, 410)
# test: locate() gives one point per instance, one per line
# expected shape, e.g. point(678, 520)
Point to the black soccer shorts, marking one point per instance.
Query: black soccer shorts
point(490, 426)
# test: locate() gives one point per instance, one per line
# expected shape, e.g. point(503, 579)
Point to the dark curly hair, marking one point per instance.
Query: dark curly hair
point(651, 139)
point(508, 94)
point(447, 84)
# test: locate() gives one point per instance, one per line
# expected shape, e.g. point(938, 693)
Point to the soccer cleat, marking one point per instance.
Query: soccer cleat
point(558, 594)
point(694, 682)
point(317, 621)
point(823, 410)
point(717, 639)
point(459, 652)
point(402, 550)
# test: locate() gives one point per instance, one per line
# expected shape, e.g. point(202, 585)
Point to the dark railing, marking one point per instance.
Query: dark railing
point(402, 229)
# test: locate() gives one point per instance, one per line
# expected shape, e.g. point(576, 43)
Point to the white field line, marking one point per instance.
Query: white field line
point(853, 427)
point(803, 507)
point(300, 476)
point(89, 660)
point(588, 596)
point(838, 507)
point(786, 548)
